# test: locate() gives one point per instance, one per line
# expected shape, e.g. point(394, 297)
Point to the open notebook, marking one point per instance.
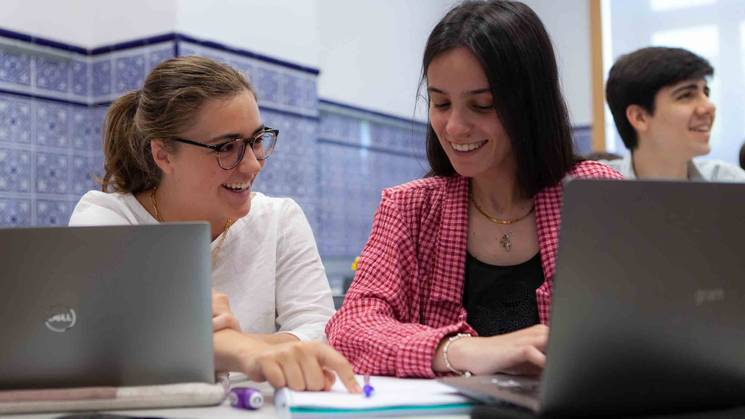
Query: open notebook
point(392, 396)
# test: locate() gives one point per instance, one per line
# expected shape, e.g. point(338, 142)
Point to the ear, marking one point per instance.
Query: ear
point(161, 156)
point(638, 117)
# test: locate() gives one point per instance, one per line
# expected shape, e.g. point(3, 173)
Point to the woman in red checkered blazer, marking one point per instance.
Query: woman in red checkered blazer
point(456, 276)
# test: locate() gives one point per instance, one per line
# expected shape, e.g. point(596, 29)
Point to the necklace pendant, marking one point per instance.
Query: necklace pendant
point(505, 241)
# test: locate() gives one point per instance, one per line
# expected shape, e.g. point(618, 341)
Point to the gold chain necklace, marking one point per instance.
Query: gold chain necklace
point(499, 220)
point(218, 247)
point(506, 240)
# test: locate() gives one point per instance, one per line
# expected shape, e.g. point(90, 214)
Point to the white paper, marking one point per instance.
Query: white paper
point(389, 392)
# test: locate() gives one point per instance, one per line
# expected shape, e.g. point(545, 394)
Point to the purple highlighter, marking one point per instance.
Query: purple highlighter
point(246, 398)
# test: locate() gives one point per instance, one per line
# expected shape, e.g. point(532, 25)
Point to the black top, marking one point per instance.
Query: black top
point(501, 299)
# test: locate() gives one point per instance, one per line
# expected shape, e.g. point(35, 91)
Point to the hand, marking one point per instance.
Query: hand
point(300, 366)
point(222, 317)
point(520, 353)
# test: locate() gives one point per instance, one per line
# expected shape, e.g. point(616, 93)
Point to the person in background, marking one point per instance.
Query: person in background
point(659, 98)
point(457, 274)
point(742, 156)
point(188, 147)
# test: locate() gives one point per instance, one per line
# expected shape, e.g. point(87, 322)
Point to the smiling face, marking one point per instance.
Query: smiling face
point(193, 174)
point(682, 120)
point(462, 114)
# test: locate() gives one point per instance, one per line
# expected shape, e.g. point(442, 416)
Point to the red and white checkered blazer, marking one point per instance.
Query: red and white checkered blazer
point(407, 292)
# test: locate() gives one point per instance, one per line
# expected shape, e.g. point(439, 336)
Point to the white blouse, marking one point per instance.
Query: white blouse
point(268, 264)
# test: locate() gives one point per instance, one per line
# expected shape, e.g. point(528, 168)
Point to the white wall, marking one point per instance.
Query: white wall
point(89, 23)
point(368, 51)
point(568, 24)
point(371, 51)
point(375, 62)
point(285, 29)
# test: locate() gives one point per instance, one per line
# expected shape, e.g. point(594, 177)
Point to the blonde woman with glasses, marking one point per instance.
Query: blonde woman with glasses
point(188, 147)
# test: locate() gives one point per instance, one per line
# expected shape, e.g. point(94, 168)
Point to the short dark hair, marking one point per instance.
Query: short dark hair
point(636, 78)
point(742, 156)
point(518, 59)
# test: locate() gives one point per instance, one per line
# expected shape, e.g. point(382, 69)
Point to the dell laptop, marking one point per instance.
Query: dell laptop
point(105, 306)
point(648, 311)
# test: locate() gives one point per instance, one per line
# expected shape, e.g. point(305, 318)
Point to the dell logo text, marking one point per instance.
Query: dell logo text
point(60, 319)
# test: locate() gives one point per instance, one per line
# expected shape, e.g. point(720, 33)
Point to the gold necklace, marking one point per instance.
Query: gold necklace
point(500, 221)
point(218, 247)
point(506, 240)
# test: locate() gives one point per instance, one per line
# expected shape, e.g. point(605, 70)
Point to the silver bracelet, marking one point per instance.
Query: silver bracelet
point(445, 349)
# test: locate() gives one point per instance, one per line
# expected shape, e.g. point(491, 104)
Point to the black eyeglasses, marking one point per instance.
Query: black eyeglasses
point(231, 153)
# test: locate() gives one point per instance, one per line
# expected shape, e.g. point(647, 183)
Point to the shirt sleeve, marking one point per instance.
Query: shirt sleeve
point(379, 327)
point(303, 296)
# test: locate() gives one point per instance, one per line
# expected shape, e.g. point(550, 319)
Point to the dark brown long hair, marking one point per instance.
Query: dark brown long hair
point(518, 59)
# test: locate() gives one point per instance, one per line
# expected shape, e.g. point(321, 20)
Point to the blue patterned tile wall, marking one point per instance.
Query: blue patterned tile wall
point(15, 212)
point(292, 168)
point(118, 72)
point(15, 119)
point(15, 66)
point(361, 153)
point(279, 87)
point(52, 105)
point(16, 170)
point(350, 192)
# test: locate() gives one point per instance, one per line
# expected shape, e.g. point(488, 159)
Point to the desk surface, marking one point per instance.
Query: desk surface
point(222, 411)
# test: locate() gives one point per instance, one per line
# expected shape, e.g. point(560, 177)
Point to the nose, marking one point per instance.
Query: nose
point(706, 107)
point(250, 164)
point(457, 125)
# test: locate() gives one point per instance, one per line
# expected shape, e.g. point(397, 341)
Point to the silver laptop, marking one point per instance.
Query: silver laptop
point(648, 311)
point(105, 306)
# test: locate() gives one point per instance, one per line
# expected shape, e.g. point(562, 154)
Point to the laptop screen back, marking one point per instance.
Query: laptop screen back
point(105, 306)
point(649, 298)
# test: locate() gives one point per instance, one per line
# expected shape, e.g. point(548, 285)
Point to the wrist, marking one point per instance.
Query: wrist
point(453, 354)
point(237, 350)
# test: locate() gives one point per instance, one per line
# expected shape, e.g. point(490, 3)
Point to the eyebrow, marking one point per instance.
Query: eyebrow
point(689, 86)
point(470, 92)
point(236, 135)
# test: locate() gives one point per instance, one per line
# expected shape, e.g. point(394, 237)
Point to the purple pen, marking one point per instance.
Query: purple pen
point(367, 389)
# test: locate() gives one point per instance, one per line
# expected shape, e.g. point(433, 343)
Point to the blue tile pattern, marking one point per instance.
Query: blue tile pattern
point(52, 74)
point(15, 212)
point(85, 169)
point(129, 73)
point(340, 127)
point(159, 54)
point(52, 173)
point(101, 75)
point(15, 170)
point(53, 212)
point(52, 124)
point(359, 174)
point(16, 117)
point(80, 78)
point(15, 66)
point(291, 170)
